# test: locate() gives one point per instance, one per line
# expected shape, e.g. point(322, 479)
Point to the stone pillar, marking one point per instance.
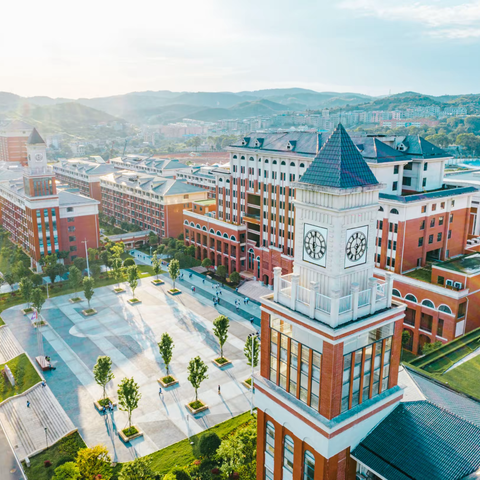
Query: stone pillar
point(355, 292)
point(335, 304)
point(372, 285)
point(295, 282)
point(389, 287)
point(313, 298)
point(277, 273)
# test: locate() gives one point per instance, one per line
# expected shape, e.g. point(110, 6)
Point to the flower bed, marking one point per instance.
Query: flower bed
point(128, 434)
point(174, 291)
point(196, 407)
point(158, 282)
point(118, 290)
point(89, 312)
point(99, 404)
point(134, 301)
point(75, 300)
point(247, 383)
point(167, 381)
point(27, 311)
point(221, 362)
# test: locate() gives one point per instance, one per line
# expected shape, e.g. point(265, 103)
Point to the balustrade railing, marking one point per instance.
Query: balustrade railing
point(345, 304)
point(364, 298)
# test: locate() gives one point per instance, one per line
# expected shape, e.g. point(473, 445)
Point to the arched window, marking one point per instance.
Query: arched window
point(266, 160)
point(225, 235)
point(259, 160)
point(411, 298)
point(396, 293)
point(233, 238)
point(219, 233)
point(192, 224)
point(283, 163)
point(308, 466)
point(292, 164)
point(220, 180)
point(428, 303)
point(380, 209)
point(445, 308)
point(288, 453)
point(274, 162)
point(270, 440)
point(204, 228)
point(198, 226)
point(250, 250)
point(234, 156)
point(394, 211)
point(212, 231)
point(251, 159)
point(228, 180)
point(242, 158)
point(186, 222)
point(302, 165)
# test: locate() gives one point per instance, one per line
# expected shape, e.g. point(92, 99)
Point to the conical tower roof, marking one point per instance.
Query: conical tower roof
point(339, 164)
point(34, 138)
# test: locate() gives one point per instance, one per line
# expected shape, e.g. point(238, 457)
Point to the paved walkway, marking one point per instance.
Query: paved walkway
point(254, 290)
point(129, 335)
point(9, 347)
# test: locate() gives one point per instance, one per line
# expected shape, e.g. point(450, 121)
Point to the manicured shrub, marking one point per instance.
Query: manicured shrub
point(208, 444)
point(129, 262)
point(180, 474)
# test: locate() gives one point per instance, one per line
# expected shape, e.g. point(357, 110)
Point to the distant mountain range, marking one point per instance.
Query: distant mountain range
point(150, 107)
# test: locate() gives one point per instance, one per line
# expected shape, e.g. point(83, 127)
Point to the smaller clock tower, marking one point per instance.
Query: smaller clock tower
point(36, 151)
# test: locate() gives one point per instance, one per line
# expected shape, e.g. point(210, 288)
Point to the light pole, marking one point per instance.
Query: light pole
point(252, 336)
point(86, 256)
point(46, 438)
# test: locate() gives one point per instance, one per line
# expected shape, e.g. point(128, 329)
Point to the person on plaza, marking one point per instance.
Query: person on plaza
point(110, 406)
point(190, 275)
point(104, 409)
point(203, 281)
point(247, 300)
point(219, 389)
point(44, 383)
point(251, 320)
point(193, 289)
point(160, 391)
point(28, 404)
point(236, 289)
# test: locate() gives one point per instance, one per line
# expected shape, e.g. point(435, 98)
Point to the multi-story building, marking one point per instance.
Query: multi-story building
point(41, 219)
point(13, 142)
point(200, 177)
point(164, 167)
point(149, 201)
point(83, 174)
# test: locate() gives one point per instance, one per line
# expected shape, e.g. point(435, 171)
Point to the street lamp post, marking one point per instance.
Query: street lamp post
point(46, 437)
point(86, 256)
point(252, 337)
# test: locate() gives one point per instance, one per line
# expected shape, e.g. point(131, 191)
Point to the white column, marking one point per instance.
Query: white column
point(313, 298)
point(389, 287)
point(295, 282)
point(372, 285)
point(277, 273)
point(335, 304)
point(355, 291)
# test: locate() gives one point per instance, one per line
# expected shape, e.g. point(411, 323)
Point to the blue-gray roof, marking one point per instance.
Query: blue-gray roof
point(421, 441)
point(446, 192)
point(35, 138)
point(339, 164)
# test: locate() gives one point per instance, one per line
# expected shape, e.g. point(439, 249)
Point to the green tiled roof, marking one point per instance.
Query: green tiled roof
point(339, 164)
point(421, 441)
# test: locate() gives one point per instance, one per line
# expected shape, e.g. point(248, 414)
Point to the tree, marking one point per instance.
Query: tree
point(160, 249)
point(197, 373)
point(67, 471)
point(128, 397)
point(80, 263)
point(88, 284)
point(174, 271)
point(152, 239)
point(469, 141)
point(10, 279)
point(117, 249)
point(206, 263)
point(156, 265)
point(102, 372)
point(106, 258)
point(117, 270)
point(26, 289)
point(222, 272)
point(38, 299)
point(235, 277)
point(95, 270)
point(74, 278)
point(220, 330)
point(37, 279)
point(50, 267)
point(139, 469)
point(430, 347)
point(190, 250)
point(128, 262)
point(93, 462)
point(251, 350)
point(19, 270)
point(165, 347)
point(177, 473)
point(208, 444)
point(132, 276)
point(92, 254)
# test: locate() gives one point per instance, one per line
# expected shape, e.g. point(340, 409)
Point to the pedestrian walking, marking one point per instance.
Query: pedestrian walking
point(203, 281)
point(219, 389)
point(110, 406)
point(44, 384)
point(28, 404)
point(247, 300)
point(218, 300)
point(160, 391)
point(190, 275)
point(193, 289)
point(236, 290)
point(251, 320)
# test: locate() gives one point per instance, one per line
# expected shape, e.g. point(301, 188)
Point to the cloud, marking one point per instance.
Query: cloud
point(443, 19)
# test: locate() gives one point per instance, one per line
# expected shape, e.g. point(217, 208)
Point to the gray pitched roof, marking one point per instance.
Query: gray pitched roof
point(445, 192)
point(375, 151)
point(34, 138)
point(339, 164)
point(421, 441)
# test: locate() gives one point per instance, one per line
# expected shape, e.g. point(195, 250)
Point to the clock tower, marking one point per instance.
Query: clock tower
point(331, 333)
point(36, 151)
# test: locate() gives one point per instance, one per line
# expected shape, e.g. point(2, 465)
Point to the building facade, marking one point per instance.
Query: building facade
point(40, 219)
point(13, 142)
point(331, 333)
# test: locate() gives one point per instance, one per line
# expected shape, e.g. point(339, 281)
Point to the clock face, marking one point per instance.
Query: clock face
point(38, 157)
point(315, 244)
point(356, 246)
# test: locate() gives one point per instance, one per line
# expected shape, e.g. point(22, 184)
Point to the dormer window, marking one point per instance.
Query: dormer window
point(291, 145)
point(245, 141)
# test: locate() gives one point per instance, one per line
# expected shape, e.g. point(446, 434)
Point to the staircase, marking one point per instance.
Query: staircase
point(9, 347)
point(25, 427)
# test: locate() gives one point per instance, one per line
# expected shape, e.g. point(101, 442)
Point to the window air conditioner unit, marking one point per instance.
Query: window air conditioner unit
point(449, 283)
point(457, 285)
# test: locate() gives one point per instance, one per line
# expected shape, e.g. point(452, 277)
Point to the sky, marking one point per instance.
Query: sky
point(103, 47)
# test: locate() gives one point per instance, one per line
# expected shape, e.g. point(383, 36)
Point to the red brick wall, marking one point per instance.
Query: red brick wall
point(86, 228)
point(331, 380)
point(95, 192)
point(13, 149)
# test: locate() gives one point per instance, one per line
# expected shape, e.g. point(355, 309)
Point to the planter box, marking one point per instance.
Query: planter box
point(158, 282)
point(89, 313)
point(118, 290)
point(126, 439)
point(176, 292)
point(220, 365)
point(166, 385)
point(134, 301)
point(75, 300)
point(194, 411)
point(28, 311)
point(99, 407)
point(245, 384)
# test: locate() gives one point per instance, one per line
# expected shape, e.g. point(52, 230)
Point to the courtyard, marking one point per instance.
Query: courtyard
point(129, 335)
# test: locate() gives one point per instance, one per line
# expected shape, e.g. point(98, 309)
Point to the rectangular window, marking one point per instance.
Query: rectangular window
point(395, 186)
point(69, 209)
point(426, 322)
point(449, 234)
point(434, 206)
point(73, 248)
point(432, 222)
point(439, 236)
point(430, 239)
point(288, 453)
point(72, 238)
point(441, 280)
point(451, 217)
point(395, 169)
point(440, 328)
point(420, 242)
point(422, 225)
point(462, 309)
point(424, 182)
point(425, 166)
point(408, 166)
point(407, 181)
point(424, 208)
point(440, 221)
point(71, 229)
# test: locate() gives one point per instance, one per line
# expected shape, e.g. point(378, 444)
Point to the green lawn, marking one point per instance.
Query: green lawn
point(407, 356)
point(465, 377)
point(181, 453)
point(1, 322)
point(25, 377)
point(65, 450)
point(423, 274)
